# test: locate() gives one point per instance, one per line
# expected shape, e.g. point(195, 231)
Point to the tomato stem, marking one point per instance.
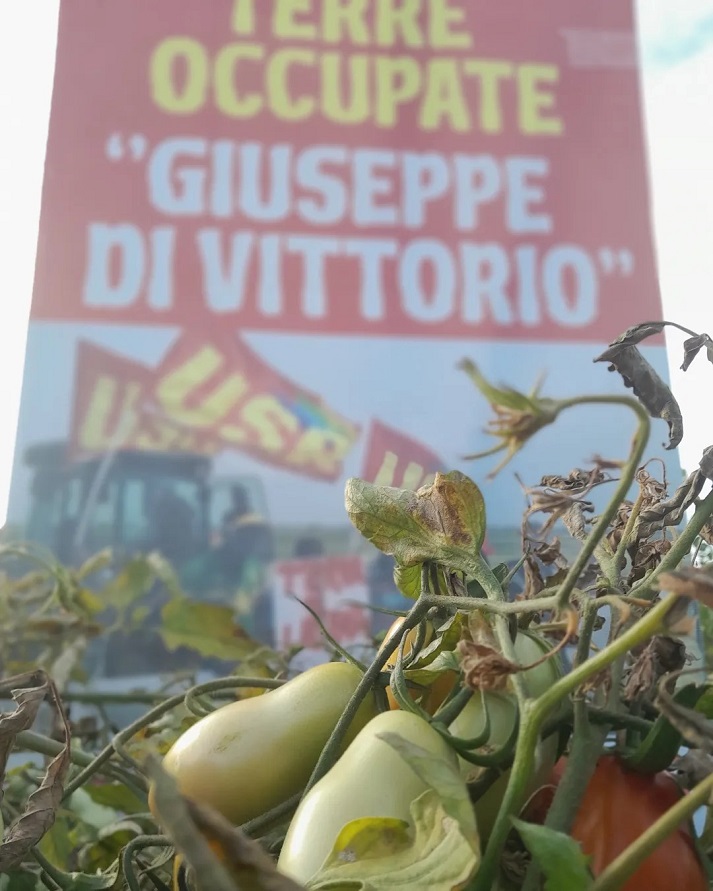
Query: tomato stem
point(641, 438)
point(329, 753)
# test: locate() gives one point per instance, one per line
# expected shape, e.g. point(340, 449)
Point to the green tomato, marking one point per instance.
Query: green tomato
point(502, 709)
point(370, 780)
point(247, 757)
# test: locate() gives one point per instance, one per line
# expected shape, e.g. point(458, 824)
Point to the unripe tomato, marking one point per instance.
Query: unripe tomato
point(617, 807)
point(247, 757)
point(439, 691)
point(370, 780)
point(502, 709)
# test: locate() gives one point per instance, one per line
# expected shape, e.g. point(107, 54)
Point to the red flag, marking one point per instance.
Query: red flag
point(393, 459)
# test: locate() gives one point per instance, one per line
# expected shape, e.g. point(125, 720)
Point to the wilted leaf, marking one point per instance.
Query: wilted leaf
point(706, 463)
point(439, 858)
point(42, 805)
point(692, 347)
point(689, 581)
point(517, 416)
point(559, 857)
point(637, 333)
point(441, 776)
point(651, 391)
point(484, 668)
point(443, 523)
point(223, 856)
point(207, 628)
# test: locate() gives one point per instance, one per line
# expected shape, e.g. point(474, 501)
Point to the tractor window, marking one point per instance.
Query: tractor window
point(164, 513)
point(135, 523)
point(102, 523)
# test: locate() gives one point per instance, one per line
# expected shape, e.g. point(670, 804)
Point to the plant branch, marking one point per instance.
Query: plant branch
point(641, 438)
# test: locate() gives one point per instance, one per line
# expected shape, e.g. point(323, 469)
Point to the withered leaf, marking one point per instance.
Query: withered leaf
point(660, 656)
point(223, 857)
point(42, 805)
point(484, 668)
point(690, 581)
point(692, 347)
point(441, 523)
point(637, 333)
point(692, 768)
point(706, 463)
point(651, 391)
point(671, 511)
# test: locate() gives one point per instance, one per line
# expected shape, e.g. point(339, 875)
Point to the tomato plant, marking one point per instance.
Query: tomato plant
point(422, 796)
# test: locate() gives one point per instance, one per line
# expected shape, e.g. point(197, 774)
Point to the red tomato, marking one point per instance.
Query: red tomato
point(617, 807)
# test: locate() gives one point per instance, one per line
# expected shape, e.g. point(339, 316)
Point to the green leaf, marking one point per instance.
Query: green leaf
point(661, 744)
point(705, 703)
point(447, 636)
point(116, 796)
point(379, 855)
point(442, 776)
point(207, 628)
point(444, 661)
point(20, 881)
point(442, 523)
point(96, 563)
point(133, 582)
point(408, 580)
point(559, 857)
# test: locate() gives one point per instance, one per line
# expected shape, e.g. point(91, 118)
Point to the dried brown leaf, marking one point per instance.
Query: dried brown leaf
point(659, 657)
point(692, 347)
point(690, 581)
point(637, 333)
point(484, 668)
point(706, 463)
point(651, 391)
point(42, 805)
point(671, 511)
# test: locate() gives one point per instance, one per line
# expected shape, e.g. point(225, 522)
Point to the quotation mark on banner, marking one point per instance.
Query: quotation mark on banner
point(117, 148)
point(616, 261)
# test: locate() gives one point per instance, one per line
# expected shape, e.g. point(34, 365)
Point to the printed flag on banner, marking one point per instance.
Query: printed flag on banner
point(204, 397)
point(394, 459)
point(334, 587)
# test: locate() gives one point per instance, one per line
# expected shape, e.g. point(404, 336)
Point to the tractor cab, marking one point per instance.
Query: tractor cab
point(130, 501)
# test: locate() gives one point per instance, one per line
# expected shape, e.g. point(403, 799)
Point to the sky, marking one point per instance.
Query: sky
point(676, 39)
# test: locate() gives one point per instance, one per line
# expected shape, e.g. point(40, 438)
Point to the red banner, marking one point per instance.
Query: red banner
point(203, 397)
point(441, 169)
point(393, 459)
